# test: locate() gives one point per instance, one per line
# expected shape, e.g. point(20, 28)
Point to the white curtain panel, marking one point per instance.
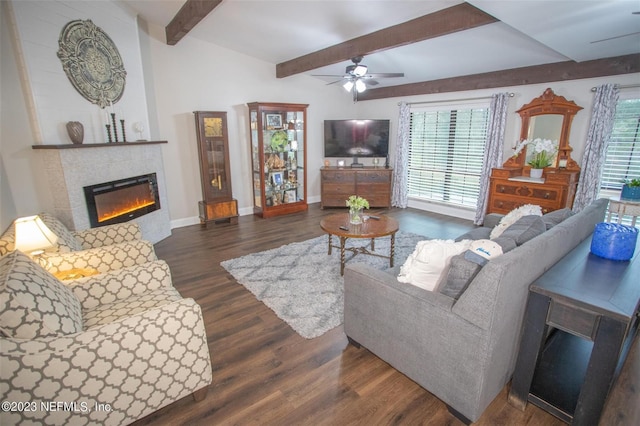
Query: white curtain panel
point(602, 116)
point(399, 194)
point(493, 150)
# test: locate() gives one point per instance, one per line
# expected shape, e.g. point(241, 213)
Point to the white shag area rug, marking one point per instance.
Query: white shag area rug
point(301, 283)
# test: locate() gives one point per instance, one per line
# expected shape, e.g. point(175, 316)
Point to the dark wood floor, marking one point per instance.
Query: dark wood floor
point(266, 374)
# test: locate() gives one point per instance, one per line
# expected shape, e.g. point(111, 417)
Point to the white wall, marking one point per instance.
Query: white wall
point(50, 93)
point(19, 188)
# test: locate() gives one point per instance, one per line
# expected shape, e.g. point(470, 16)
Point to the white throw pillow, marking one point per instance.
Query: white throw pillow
point(486, 248)
point(513, 216)
point(424, 267)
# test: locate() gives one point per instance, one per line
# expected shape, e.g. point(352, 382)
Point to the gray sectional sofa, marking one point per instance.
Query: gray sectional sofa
point(463, 350)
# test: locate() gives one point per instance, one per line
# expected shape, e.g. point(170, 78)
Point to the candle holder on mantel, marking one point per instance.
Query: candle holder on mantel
point(124, 135)
point(115, 128)
point(108, 126)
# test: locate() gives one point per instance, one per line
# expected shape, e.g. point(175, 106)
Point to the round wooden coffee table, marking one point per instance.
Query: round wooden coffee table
point(338, 225)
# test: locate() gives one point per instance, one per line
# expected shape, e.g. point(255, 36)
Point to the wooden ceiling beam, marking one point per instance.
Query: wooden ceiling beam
point(559, 71)
point(450, 20)
point(192, 12)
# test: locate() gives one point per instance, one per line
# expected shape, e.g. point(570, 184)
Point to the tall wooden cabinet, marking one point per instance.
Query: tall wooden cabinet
point(215, 175)
point(278, 134)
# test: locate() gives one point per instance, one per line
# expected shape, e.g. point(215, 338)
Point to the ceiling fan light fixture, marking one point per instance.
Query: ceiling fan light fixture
point(360, 86)
point(348, 86)
point(360, 70)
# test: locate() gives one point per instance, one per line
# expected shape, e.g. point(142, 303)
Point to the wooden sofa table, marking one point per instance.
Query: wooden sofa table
point(338, 225)
point(593, 303)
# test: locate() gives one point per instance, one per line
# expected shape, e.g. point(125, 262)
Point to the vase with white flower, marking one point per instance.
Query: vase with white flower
point(540, 154)
point(356, 205)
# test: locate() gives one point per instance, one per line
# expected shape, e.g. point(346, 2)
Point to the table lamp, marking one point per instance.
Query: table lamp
point(33, 236)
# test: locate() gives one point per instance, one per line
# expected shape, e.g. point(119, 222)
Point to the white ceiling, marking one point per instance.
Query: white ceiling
point(530, 32)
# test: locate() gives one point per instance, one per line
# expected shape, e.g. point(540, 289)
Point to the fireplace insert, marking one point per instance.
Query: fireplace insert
point(122, 200)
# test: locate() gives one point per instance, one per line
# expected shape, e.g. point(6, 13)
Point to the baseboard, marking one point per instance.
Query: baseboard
point(244, 211)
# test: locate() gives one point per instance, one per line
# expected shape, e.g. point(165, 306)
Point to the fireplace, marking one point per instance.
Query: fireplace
point(122, 200)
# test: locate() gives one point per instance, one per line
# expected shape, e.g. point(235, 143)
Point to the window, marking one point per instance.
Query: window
point(622, 159)
point(445, 154)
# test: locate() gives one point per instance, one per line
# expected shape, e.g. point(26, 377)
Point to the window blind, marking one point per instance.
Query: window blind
point(445, 154)
point(622, 159)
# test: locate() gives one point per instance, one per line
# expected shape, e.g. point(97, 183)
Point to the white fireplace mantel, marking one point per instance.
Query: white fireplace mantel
point(69, 168)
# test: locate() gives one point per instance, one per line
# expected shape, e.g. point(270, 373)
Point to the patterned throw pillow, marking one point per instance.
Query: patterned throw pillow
point(66, 241)
point(33, 303)
point(8, 240)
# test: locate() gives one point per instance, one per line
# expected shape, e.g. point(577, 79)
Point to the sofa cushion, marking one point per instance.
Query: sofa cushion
point(132, 305)
point(33, 303)
point(479, 233)
point(513, 216)
point(553, 218)
point(524, 229)
point(506, 243)
point(66, 241)
point(464, 267)
point(423, 268)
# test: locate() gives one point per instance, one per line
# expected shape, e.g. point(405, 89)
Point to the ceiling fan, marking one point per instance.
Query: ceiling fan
point(355, 78)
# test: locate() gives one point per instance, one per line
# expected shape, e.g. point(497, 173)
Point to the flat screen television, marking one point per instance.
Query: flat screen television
point(356, 138)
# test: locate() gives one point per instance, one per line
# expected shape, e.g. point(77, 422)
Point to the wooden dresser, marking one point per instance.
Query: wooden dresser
point(372, 183)
point(547, 117)
point(509, 190)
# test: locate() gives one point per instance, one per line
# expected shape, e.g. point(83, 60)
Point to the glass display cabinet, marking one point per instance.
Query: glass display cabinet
point(215, 174)
point(278, 157)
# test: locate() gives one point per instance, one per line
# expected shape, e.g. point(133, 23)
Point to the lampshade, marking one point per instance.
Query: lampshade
point(348, 86)
point(360, 86)
point(32, 235)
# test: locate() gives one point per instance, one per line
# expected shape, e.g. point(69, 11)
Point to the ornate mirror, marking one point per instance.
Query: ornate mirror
point(547, 117)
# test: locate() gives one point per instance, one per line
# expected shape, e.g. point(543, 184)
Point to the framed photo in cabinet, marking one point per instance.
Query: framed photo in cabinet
point(215, 174)
point(276, 178)
point(274, 121)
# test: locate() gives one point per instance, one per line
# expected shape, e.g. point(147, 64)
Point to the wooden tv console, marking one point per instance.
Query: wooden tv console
point(372, 183)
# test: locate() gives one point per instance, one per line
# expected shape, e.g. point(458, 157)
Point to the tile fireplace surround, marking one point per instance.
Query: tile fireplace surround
point(69, 168)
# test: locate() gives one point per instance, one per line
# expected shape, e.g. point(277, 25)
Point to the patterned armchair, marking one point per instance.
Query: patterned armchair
point(106, 349)
point(101, 249)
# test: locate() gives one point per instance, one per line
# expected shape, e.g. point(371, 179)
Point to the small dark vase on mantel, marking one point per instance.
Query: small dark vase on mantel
point(75, 129)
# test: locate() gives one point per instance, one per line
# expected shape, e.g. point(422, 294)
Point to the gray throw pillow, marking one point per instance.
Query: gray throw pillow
point(480, 233)
point(525, 228)
point(553, 218)
point(506, 243)
point(462, 270)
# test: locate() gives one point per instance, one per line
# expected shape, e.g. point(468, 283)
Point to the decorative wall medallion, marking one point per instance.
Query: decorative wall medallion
point(92, 62)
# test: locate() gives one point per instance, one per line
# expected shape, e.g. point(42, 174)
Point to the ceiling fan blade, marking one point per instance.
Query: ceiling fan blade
point(372, 83)
point(331, 75)
point(613, 38)
point(334, 82)
point(385, 75)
